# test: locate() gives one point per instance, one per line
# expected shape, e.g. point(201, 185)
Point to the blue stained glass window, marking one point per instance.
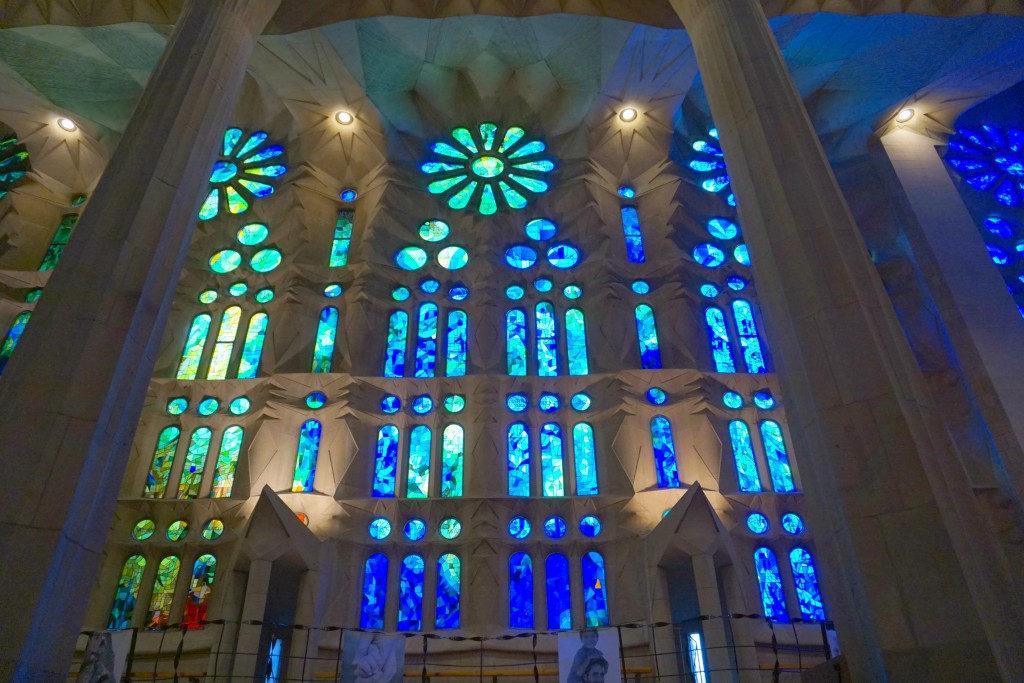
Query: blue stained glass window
point(543, 284)
point(990, 159)
point(540, 229)
point(664, 453)
point(764, 400)
point(423, 404)
point(585, 459)
point(342, 238)
point(563, 255)
point(375, 585)
point(305, 457)
point(549, 402)
point(547, 340)
point(770, 581)
point(753, 357)
point(415, 529)
point(555, 527)
point(656, 396)
point(348, 195)
point(640, 287)
point(18, 328)
point(449, 590)
point(778, 459)
point(721, 347)
point(517, 403)
point(398, 335)
point(514, 292)
point(580, 401)
point(736, 283)
point(515, 342)
point(634, 235)
point(429, 285)
point(380, 529)
point(647, 333)
point(576, 342)
point(519, 528)
point(458, 338)
point(757, 523)
point(792, 524)
point(390, 404)
point(458, 293)
point(411, 258)
point(590, 526)
point(559, 596)
point(743, 453)
point(806, 582)
point(708, 255)
point(426, 341)
point(553, 483)
point(742, 255)
point(400, 293)
point(452, 450)
point(732, 400)
point(252, 349)
point(518, 460)
point(325, 334)
point(520, 591)
point(520, 257)
point(722, 228)
point(127, 593)
point(627, 192)
point(999, 227)
point(595, 591)
point(386, 463)
point(418, 484)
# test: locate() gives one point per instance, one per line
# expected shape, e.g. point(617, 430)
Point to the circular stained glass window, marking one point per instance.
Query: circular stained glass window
point(515, 292)
point(757, 523)
point(709, 290)
point(999, 227)
point(239, 406)
point(764, 400)
point(572, 291)
point(430, 286)
point(454, 403)
point(348, 195)
point(316, 400)
point(252, 234)
point(415, 529)
point(458, 293)
point(143, 529)
point(722, 228)
point(998, 255)
point(627, 192)
point(540, 229)
point(640, 287)
point(332, 291)
point(563, 256)
point(177, 530)
point(732, 400)
point(400, 293)
point(736, 283)
point(453, 258)
point(421, 405)
point(792, 524)
point(265, 296)
point(549, 403)
point(238, 289)
point(265, 260)
point(488, 166)
point(390, 404)
point(543, 285)
point(656, 396)
point(555, 527)
point(223, 171)
point(590, 526)
point(580, 401)
point(708, 255)
point(411, 258)
point(213, 529)
point(520, 256)
point(742, 255)
point(207, 296)
point(434, 231)
point(380, 529)
point(177, 406)
point(517, 403)
point(225, 261)
point(519, 527)
point(208, 406)
point(450, 528)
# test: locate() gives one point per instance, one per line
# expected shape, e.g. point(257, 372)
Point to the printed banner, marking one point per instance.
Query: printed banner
point(589, 656)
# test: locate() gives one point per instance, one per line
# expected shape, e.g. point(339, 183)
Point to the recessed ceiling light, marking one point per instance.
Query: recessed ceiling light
point(628, 114)
point(344, 118)
point(905, 115)
point(67, 124)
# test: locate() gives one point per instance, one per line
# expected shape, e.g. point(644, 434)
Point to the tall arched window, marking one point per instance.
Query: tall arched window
point(806, 582)
point(778, 459)
point(398, 337)
point(163, 458)
point(127, 593)
point(195, 463)
point(200, 587)
point(252, 350)
point(410, 594)
point(743, 454)
point(194, 345)
point(449, 591)
point(770, 581)
point(59, 241)
point(12, 338)
point(647, 333)
point(163, 592)
point(547, 340)
point(518, 459)
point(305, 457)
point(375, 584)
point(225, 343)
point(585, 459)
point(750, 342)
point(520, 591)
point(385, 468)
point(595, 591)
point(418, 483)
point(452, 450)
point(576, 342)
point(721, 347)
point(559, 595)
point(342, 238)
point(551, 461)
point(664, 453)
point(515, 342)
point(227, 462)
point(326, 331)
point(426, 341)
point(634, 236)
point(457, 343)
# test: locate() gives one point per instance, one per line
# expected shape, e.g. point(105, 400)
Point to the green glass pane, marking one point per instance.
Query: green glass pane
point(194, 345)
point(195, 463)
point(529, 148)
point(411, 258)
point(143, 529)
point(163, 458)
point(572, 291)
point(445, 184)
point(236, 203)
point(224, 475)
point(177, 530)
point(418, 480)
point(231, 138)
point(211, 205)
point(274, 171)
point(213, 529)
point(208, 406)
point(465, 138)
point(253, 233)
point(162, 596)
point(225, 343)
point(488, 166)
point(452, 451)
point(487, 132)
point(252, 349)
point(265, 296)
point(177, 406)
point(332, 291)
point(238, 289)
point(460, 199)
point(453, 258)
point(207, 296)
point(316, 400)
point(256, 187)
point(127, 592)
point(514, 199)
point(223, 171)
point(512, 136)
point(488, 204)
point(265, 260)
point(342, 238)
point(33, 295)
point(78, 199)
point(434, 230)
point(439, 167)
point(449, 528)
point(529, 183)
point(447, 150)
point(225, 261)
point(239, 406)
point(542, 166)
point(323, 350)
point(454, 403)
point(59, 241)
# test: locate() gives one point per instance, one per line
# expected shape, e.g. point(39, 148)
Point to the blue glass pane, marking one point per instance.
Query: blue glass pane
point(750, 342)
point(555, 527)
point(595, 591)
point(640, 287)
point(520, 256)
point(742, 255)
point(342, 238)
point(426, 341)
point(576, 342)
point(585, 459)
point(709, 290)
point(736, 283)
point(590, 526)
point(305, 458)
point(806, 583)
point(422, 404)
point(721, 347)
point(517, 403)
point(563, 256)
point(764, 400)
point(386, 464)
point(418, 483)
point(656, 396)
point(664, 453)
point(458, 293)
point(127, 592)
point(647, 333)
point(415, 529)
point(380, 529)
point(519, 528)
point(997, 254)
point(515, 342)
point(547, 341)
point(452, 451)
point(540, 229)
point(770, 581)
point(999, 226)
point(732, 400)
point(553, 481)
point(400, 293)
point(398, 334)
point(743, 454)
point(549, 402)
point(514, 292)
point(411, 258)
point(757, 523)
point(375, 583)
point(627, 192)
point(429, 286)
point(580, 401)
point(410, 594)
point(722, 228)
point(390, 404)
point(556, 573)
point(708, 255)
point(325, 334)
point(348, 195)
point(634, 236)
point(518, 460)
point(520, 591)
point(543, 285)
point(449, 590)
point(458, 338)
point(778, 459)
point(792, 524)
point(240, 405)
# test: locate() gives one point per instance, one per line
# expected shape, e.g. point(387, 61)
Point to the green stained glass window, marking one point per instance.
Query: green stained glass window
point(33, 295)
point(400, 293)
point(252, 349)
point(225, 261)
point(342, 238)
point(580, 401)
point(453, 258)
point(12, 338)
point(316, 400)
point(265, 260)
point(227, 461)
point(126, 593)
point(213, 529)
point(238, 289)
point(208, 406)
point(434, 230)
point(265, 296)
point(225, 343)
point(163, 592)
point(241, 167)
point(454, 403)
point(252, 234)
point(193, 353)
point(453, 447)
point(239, 406)
point(195, 463)
point(572, 292)
point(59, 241)
point(576, 342)
point(207, 296)
point(177, 406)
point(176, 531)
point(450, 528)
point(143, 529)
point(411, 258)
point(418, 482)
point(305, 457)
point(323, 350)
point(163, 458)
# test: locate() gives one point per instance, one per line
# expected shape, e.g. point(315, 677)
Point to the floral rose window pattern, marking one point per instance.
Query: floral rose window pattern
point(990, 160)
point(710, 167)
point(480, 168)
point(243, 173)
point(14, 163)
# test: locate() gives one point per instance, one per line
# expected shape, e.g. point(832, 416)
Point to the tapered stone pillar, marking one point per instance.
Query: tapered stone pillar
point(912, 574)
point(72, 394)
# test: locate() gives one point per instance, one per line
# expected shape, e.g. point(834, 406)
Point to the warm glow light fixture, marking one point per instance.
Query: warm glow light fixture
point(67, 124)
point(344, 118)
point(628, 114)
point(905, 115)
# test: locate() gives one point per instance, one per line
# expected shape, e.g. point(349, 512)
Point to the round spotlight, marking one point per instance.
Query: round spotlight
point(67, 124)
point(628, 114)
point(905, 115)
point(344, 118)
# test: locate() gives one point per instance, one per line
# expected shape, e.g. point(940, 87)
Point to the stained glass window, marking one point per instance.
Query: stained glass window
point(518, 460)
point(585, 458)
point(757, 523)
point(721, 348)
point(458, 339)
point(410, 594)
point(743, 453)
point(342, 238)
point(453, 446)
point(323, 351)
point(778, 459)
point(225, 343)
point(749, 340)
point(305, 457)
point(559, 596)
point(194, 345)
point(59, 241)
point(547, 340)
point(770, 581)
point(418, 484)
point(127, 593)
point(415, 529)
point(386, 464)
point(515, 342)
point(143, 529)
point(197, 602)
point(426, 341)
point(792, 524)
point(227, 461)
point(13, 336)
point(595, 591)
point(647, 333)
point(252, 350)
point(163, 592)
point(520, 591)
point(664, 453)
point(163, 458)
point(989, 160)
point(212, 529)
point(576, 342)
point(241, 167)
point(553, 483)
point(634, 236)
point(806, 583)
point(449, 528)
point(195, 463)
point(449, 589)
point(375, 583)
point(398, 334)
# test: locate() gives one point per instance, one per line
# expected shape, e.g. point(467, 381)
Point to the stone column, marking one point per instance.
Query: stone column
point(912, 574)
point(72, 396)
point(247, 646)
point(716, 646)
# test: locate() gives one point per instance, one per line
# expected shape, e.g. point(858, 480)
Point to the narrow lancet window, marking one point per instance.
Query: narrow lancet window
point(59, 241)
point(225, 343)
point(13, 336)
point(806, 582)
point(252, 350)
point(200, 588)
point(778, 459)
point(195, 463)
point(398, 336)
point(457, 342)
point(515, 342)
point(386, 465)
point(127, 593)
point(163, 592)
point(375, 584)
point(520, 591)
point(518, 460)
point(647, 333)
point(721, 347)
point(595, 591)
point(449, 591)
point(770, 581)
point(418, 484)
point(323, 350)
point(452, 451)
point(547, 341)
point(227, 462)
point(410, 594)
point(163, 458)
point(585, 459)
point(305, 457)
point(750, 342)
point(194, 345)
point(664, 453)
point(633, 234)
point(743, 453)
point(426, 341)
point(559, 595)
point(576, 342)
point(551, 460)
point(342, 238)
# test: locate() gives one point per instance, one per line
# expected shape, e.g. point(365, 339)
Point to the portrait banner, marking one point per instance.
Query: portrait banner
point(589, 656)
point(372, 658)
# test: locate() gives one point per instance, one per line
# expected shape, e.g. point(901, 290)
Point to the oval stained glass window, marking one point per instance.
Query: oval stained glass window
point(732, 400)
point(757, 523)
point(454, 403)
point(563, 256)
point(543, 285)
point(792, 524)
point(207, 296)
point(390, 404)
point(640, 287)
point(239, 406)
point(177, 406)
point(549, 403)
point(540, 229)
point(434, 230)
point(265, 260)
point(520, 256)
point(519, 528)
point(458, 293)
point(453, 258)
point(430, 286)
point(213, 529)
point(400, 293)
point(998, 226)
point(411, 258)
point(709, 290)
point(238, 289)
point(555, 527)
point(517, 403)
point(415, 529)
point(580, 401)
point(252, 234)
point(332, 291)
point(722, 228)
point(225, 261)
point(143, 529)
point(736, 283)
point(177, 530)
point(265, 296)
point(997, 254)
point(421, 405)
point(764, 400)
point(450, 528)
point(572, 291)
point(515, 292)
point(656, 396)
point(208, 406)
point(742, 255)
point(348, 195)
point(380, 529)
point(590, 526)
point(627, 192)
point(708, 255)
point(316, 400)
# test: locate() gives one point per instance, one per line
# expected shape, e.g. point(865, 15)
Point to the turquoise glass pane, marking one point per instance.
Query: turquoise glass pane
point(512, 136)
point(517, 403)
point(410, 594)
point(211, 205)
point(518, 460)
point(664, 453)
point(375, 587)
point(449, 590)
point(385, 468)
point(581, 401)
point(647, 334)
point(411, 258)
point(227, 462)
point(398, 334)
point(252, 350)
point(380, 529)
point(531, 184)
point(757, 523)
point(305, 456)
point(792, 524)
point(59, 241)
point(563, 256)
point(254, 141)
point(460, 199)
point(585, 459)
point(515, 342)
point(778, 459)
point(256, 187)
point(458, 339)
point(519, 528)
point(721, 347)
point(549, 402)
point(208, 406)
point(163, 458)
point(547, 340)
point(418, 481)
point(634, 235)
point(177, 406)
point(231, 138)
point(439, 186)
point(195, 463)
point(520, 256)
point(731, 399)
point(268, 153)
point(806, 583)
point(323, 350)
point(488, 202)
point(533, 147)
point(708, 255)
point(723, 229)
point(641, 287)
point(770, 581)
point(551, 461)
point(126, 593)
point(452, 449)
point(447, 150)
point(512, 196)
point(656, 396)
point(423, 404)
point(559, 596)
point(415, 529)
point(540, 229)
point(576, 342)
point(342, 238)
point(194, 345)
point(595, 591)
point(18, 328)
point(225, 261)
point(520, 591)
point(426, 341)
point(743, 454)
point(764, 400)
point(225, 344)
point(316, 400)
point(750, 342)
